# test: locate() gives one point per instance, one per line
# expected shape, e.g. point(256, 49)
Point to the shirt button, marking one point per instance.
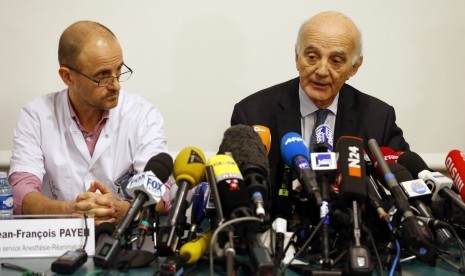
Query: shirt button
point(106, 135)
point(91, 170)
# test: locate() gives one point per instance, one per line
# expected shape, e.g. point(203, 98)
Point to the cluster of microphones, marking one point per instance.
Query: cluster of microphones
point(350, 210)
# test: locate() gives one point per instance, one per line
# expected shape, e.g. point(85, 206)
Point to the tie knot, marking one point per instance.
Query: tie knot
point(321, 115)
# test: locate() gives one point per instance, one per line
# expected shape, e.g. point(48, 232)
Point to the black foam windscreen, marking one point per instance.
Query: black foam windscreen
point(161, 165)
point(351, 164)
point(400, 172)
point(245, 146)
point(413, 162)
point(247, 149)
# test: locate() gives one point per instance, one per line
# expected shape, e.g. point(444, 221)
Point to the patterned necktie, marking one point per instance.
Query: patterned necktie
point(321, 115)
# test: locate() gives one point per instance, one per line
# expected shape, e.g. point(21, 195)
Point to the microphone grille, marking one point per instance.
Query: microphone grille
point(161, 165)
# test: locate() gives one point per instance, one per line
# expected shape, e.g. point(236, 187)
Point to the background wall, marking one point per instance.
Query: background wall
point(195, 59)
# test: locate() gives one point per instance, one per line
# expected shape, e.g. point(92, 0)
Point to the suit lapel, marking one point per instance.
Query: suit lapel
point(347, 118)
point(288, 112)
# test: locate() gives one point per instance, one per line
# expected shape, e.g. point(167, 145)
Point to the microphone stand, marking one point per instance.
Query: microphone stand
point(359, 256)
point(324, 232)
point(230, 254)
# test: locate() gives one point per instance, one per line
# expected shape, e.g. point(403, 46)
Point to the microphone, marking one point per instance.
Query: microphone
point(230, 185)
point(324, 138)
point(439, 184)
point(146, 189)
point(323, 162)
point(417, 191)
point(231, 195)
point(265, 136)
point(143, 227)
point(390, 156)
point(188, 171)
point(247, 150)
point(193, 250)
point(353, 188)
point(413, 235)
point(455, 164)
point(296, 156)
point(200, 201)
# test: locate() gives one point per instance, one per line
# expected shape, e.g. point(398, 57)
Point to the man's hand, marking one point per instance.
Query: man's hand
point(103, 205)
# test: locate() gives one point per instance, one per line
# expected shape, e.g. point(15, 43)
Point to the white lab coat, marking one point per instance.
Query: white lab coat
point(49, 144)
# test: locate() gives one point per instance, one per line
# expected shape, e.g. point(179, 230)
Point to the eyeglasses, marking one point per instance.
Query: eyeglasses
point(103, 82)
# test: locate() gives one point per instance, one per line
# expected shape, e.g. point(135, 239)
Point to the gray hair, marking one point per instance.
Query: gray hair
point(358, 41)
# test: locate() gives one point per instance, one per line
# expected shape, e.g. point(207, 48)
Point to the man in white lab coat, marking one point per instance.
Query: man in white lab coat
point(71, 146)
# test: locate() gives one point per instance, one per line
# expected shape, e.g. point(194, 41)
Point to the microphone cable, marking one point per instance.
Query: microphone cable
point(221, 228)
point(304, 246)
point(396, 259)
point(440, 223)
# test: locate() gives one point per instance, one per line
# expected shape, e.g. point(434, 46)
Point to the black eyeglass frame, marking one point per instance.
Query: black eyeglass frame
point(107, 79)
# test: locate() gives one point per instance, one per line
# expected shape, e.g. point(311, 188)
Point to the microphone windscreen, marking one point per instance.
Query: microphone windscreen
point(413, 162)
point(245, 146)
point(161, 165)
point(229, 183)
point(400, 172)
point(293, 145)
point(351, 165)
point(189, 166)
point(265, 136)
point(193, 250)
point(324, 139)
point(455, 164)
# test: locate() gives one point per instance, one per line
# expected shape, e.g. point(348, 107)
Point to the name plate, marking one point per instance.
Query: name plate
point(45, 235)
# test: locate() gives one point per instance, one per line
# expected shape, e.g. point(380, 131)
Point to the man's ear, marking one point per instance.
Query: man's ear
point(356, 65)
point(65, 76)
point(296, 59)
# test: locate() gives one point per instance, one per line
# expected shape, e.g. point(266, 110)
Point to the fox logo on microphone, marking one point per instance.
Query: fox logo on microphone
point(146, 182)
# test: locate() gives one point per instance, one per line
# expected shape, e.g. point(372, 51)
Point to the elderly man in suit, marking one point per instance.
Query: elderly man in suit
point(328, 52)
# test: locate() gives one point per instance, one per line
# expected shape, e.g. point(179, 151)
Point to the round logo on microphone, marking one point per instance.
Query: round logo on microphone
point(419, 187)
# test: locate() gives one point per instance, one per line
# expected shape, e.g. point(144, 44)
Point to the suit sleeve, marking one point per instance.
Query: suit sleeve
point(238, 116)
point(393, 135)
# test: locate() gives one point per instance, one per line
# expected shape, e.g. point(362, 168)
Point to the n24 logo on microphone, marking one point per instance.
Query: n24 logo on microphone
point(354, 162)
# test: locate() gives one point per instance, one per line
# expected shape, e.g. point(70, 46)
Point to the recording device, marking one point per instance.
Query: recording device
point(296, 156)
point(352, 192)
point(439, 184)
point(413, 233)
point(172, 266)
point(189, 170)
point(251, 157)
point(455, 164)
point(69, 262)
point(146, 189)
